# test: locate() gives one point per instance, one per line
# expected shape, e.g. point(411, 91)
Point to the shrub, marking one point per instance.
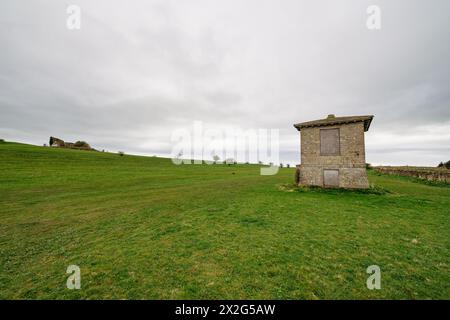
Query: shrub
point(81, 144)
point(2, 140)
point(297, 176)
point(444, 165)
point(368, 166)
point(121, 153)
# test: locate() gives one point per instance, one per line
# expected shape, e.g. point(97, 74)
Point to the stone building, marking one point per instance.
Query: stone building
point(333, 152)
point(81, 145)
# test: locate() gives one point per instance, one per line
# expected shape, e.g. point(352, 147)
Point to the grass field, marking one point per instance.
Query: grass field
point(143, 228)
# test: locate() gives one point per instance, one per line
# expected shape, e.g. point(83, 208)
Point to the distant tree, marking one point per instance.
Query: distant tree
point(445, 165)
point(121, 153)
point(216, 158)
point(441, 165)
point(368, 166)
point(281, 165)
point(288, 165)
point(2, 140)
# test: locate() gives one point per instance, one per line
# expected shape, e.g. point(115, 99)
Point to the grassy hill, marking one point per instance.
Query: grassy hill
point(143, 228)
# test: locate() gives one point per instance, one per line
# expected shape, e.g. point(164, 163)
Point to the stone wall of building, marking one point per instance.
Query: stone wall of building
point(351, 161)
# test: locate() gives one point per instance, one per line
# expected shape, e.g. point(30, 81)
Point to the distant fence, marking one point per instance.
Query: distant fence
point(430, 174)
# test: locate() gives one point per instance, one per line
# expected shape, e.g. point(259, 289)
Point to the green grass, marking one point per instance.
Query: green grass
point(143, 228)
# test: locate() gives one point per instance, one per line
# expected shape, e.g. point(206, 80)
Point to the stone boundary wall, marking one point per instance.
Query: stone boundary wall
point(430, 174)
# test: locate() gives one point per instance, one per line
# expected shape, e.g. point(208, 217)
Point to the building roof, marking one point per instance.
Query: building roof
point(332, 120)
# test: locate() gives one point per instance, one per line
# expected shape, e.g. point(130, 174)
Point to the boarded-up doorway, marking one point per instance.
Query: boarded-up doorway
point(331, 178)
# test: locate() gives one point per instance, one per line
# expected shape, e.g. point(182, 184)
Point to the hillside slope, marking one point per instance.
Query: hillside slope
point(141, 227)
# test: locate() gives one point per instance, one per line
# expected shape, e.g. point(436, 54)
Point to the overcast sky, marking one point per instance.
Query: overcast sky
point(138, 70)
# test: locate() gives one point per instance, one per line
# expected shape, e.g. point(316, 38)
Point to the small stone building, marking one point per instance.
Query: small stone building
point(333, 152)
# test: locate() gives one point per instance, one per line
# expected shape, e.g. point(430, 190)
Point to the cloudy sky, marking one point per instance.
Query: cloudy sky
point(138, 70)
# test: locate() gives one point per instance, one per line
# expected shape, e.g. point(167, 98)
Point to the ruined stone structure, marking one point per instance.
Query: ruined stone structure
point(81, 145)
point(55, 142)
point(333, 152)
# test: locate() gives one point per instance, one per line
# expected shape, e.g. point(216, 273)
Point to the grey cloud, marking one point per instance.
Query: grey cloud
point(137, 71)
